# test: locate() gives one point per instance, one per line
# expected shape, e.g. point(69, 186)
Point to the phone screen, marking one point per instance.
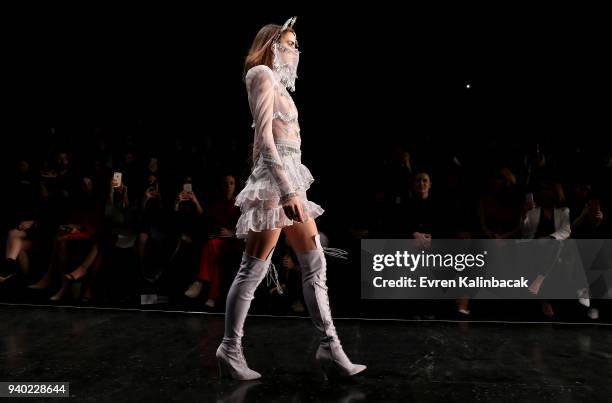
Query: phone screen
point(117, 179)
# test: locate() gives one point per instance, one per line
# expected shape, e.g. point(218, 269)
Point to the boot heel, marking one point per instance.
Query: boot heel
point(331, 371)
point(223, 371)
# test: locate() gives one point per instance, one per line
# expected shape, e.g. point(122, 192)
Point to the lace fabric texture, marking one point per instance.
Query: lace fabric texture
point(277, 167)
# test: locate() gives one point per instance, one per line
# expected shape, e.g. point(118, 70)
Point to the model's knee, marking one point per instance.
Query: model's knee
point(260, 254)
point(311, 242)
point(305, 244)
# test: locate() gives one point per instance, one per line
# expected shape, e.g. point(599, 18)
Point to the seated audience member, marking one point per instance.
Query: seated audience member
point(222, 216)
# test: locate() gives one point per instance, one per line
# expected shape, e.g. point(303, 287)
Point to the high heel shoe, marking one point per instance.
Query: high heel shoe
point(334, 362)
point(77, 275)
point(42, 284)
point(330, 354)
point(64, 288)
point(194, 289)
point(232, 363)
point(59, 295)
point(242, 291)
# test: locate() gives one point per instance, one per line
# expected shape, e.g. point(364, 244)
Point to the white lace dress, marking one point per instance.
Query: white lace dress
point(277, 165)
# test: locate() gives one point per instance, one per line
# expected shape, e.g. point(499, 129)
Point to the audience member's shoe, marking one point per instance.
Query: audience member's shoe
point(547, 310)
point(593, 313)
point(9, 270)
point(42, 284)
point(76, 275)
point(534, 287)
point(86, 297)
point(194, 289)
point(297, 306)
point(462, 306)
point(584, 297)
point(59, 295)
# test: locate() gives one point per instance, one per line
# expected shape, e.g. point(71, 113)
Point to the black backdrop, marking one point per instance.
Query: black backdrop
point(368, 78)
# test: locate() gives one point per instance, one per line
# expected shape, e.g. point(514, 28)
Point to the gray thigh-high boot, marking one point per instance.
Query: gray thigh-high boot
point(314, 276)
point(242, 291)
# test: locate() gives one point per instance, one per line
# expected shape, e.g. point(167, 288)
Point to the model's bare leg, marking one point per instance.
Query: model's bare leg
point(256, 260)
point(305, 241)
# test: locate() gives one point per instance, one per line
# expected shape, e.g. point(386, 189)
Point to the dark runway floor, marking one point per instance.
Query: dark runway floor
point(133, 356)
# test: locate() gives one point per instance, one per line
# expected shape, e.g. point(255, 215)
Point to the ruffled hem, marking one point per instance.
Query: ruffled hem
point(257, 219)
point(261, 185)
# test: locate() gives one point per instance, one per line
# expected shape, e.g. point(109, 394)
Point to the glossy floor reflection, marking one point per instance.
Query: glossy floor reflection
point(134, 356)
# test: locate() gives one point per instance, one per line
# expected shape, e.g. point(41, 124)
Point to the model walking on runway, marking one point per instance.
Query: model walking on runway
point(274, 200)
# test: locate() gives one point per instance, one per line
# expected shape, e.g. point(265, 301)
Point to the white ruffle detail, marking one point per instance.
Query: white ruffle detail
point(259, 219)
point(259, 200)
point(261, 185)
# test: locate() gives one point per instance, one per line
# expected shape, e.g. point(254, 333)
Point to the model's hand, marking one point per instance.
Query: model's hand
point(294, 209)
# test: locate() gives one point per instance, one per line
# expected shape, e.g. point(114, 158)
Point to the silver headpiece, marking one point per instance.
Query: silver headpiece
point(285, 59)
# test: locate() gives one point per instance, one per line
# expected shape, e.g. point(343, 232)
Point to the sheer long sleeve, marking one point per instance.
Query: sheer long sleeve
point(260, 88)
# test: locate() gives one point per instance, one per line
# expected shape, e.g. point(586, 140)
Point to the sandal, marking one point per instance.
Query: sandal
point(78, 279)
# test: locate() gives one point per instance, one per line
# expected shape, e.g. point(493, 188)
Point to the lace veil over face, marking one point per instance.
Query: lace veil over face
point(286, 59)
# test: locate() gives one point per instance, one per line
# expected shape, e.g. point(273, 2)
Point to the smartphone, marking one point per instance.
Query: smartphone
point(187, 188)
point(117, 179)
